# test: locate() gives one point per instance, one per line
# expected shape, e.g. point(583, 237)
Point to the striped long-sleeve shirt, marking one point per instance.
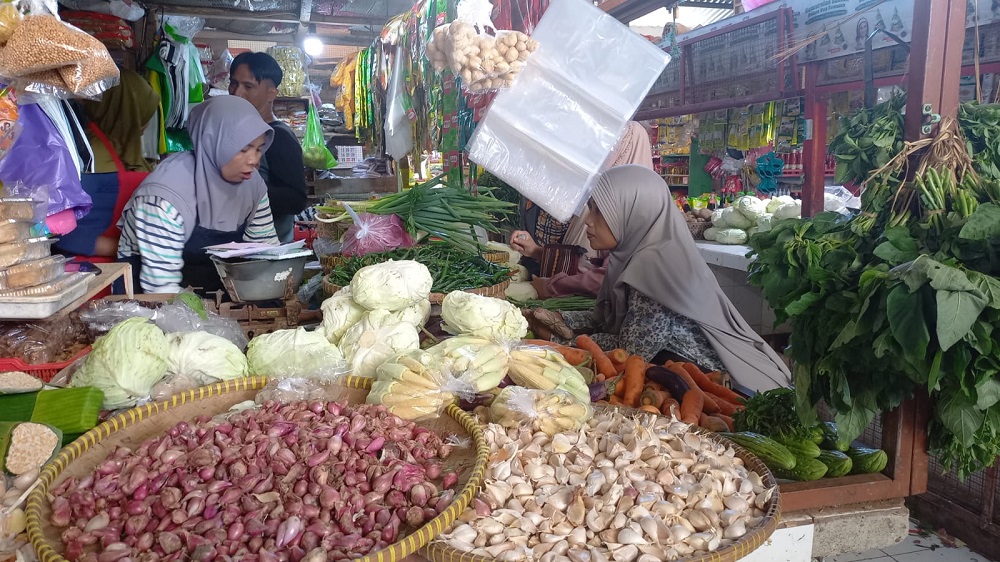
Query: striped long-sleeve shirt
point(153, 229)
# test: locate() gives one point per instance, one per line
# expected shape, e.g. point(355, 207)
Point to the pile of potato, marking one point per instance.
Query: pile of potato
point(698, 215)
point(482, 61)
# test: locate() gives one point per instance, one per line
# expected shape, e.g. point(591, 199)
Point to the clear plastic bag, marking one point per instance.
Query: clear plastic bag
point(486, 361)
point(22, 202)
point(296, 389)
point(544, 368)
point(315, 154)
point(100, 316)
point(549, 136)
point(416, 386)
point(549, 411)
point(372, 234)
point(218, 75)
point(47, 56)
point(484, 62)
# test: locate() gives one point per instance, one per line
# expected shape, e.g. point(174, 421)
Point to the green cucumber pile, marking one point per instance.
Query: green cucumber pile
point(451, 268)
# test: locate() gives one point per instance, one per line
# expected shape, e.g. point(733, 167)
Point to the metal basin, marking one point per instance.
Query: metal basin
point(259, 280)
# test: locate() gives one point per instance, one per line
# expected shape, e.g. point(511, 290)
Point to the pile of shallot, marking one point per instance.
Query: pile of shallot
point(287, 482)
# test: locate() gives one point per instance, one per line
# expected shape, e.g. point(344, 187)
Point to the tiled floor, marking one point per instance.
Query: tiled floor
point(920, 546)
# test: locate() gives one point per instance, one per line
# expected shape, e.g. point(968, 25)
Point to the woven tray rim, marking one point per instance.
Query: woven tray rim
point(398, 550)
point(441, 552)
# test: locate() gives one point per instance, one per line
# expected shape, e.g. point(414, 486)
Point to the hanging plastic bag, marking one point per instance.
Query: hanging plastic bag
point(371, 234)
point(315, 154)
point(398, 132)
point(40, 157)
point(498, 59)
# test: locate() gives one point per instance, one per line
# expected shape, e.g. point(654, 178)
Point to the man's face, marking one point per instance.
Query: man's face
point(243, 84)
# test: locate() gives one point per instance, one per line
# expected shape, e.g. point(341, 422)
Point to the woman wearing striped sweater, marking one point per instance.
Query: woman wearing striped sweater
point(212, 195)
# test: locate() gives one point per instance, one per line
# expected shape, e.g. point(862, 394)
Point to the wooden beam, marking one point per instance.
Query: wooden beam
point(814, 147)
point(935, 63)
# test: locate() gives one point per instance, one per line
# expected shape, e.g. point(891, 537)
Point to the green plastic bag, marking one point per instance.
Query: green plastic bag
point(315, 154)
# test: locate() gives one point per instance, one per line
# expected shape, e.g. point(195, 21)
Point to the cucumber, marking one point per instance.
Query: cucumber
point(817, 435)
point(773, 454)
point(837, 463)
point(830, 438)
point(867, 461)
point(806, 470)
point(800, 447)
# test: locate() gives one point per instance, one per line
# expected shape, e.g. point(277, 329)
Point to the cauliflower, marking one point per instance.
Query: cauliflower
point(340, 312)
point(468, 314)
point(375, 340)
point(391, 285)
point(750, 207)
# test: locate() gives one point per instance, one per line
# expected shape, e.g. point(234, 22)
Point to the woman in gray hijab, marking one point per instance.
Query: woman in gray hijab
point(659, 294)
point(209, 196)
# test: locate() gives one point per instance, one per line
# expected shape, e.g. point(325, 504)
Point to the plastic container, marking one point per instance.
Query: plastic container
point(43, 372)
point(14, 231)
point(20, 252)
point(17, 209)
point(32, 273)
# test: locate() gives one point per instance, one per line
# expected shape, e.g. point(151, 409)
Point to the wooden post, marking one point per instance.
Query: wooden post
point(814, 147)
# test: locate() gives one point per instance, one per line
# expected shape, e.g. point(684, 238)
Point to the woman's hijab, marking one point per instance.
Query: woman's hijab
point(121, 115)
point(633, 148)
point(656, 255)
point(192, 181)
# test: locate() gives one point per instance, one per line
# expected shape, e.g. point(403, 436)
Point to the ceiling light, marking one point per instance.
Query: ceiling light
point(312, 44)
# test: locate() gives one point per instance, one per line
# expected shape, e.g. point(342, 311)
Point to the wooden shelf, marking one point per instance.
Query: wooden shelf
point(110, 272)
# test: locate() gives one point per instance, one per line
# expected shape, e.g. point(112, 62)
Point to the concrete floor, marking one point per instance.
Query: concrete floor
point(920, 546)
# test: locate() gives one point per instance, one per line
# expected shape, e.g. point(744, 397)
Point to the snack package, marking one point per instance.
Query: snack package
point(483, 62)
point(549, 411)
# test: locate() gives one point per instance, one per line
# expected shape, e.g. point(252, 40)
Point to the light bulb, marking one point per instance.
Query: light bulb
point(312, 45)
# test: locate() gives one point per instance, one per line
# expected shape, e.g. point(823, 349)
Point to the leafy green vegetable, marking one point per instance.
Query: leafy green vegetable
point(903, 297)
point(772, 413)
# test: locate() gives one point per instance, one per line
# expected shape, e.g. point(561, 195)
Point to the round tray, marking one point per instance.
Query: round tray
point(134, 426)
point(495, 291)
point(441, 552)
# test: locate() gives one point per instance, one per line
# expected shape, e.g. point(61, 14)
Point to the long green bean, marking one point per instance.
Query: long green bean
point(451, 268)
point(565, 304)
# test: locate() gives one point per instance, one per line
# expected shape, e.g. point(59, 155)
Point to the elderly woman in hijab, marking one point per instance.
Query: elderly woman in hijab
point(659, 294)
point(210, 196)
point(583, 277)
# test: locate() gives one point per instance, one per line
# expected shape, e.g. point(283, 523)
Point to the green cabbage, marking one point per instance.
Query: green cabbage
point(391, 285)
point(473, 315)
point(750, 207)
point(125, 363)
point(340, 312)
point(205, 358)
point(294, 353)
point(375, 340)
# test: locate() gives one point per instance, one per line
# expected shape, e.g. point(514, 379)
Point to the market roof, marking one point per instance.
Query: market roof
point(628, 10)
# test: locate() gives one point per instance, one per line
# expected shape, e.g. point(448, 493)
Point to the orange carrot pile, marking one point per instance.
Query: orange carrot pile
point(703, 399)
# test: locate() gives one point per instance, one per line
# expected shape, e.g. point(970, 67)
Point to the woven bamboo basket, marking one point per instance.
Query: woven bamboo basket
point(497, 256)
point(698, 229)
point(439, 551)
point(332, 231)
point(135, 426)
point(495, 291)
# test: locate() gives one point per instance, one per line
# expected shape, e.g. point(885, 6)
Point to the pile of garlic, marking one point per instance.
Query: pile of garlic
point(482, 61)
point(625, 489)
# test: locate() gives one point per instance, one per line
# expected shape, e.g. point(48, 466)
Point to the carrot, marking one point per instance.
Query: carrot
point(575, 357)
point(635, 376)
point(601, 361)
point(618, 355)
point(652, 398)
point(691, 406)
point(725, 406)
point(715, 376)
point(707, 385)
point(727, 420)
point(615, 400)
point(668, 406)
point(650, 409)
point(713, 423)
point(709, 406)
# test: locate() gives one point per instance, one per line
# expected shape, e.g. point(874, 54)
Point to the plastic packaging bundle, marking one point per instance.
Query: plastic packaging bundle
point(415, 386)
point(315, 154)
point(551, 134)
point(113, 31)
point(484, 62)
point(101, 316)
point(549, 411)
point(47, 56)
point(293, 74)
point(375, 233)
point(219, 73)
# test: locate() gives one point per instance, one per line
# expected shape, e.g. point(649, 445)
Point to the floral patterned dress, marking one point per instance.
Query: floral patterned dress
point(649, 328)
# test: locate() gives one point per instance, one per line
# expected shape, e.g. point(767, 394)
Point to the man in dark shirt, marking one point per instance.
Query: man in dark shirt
point(255, 77)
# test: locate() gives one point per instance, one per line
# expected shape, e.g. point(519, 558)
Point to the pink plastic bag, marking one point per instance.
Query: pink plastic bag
point(371, 234)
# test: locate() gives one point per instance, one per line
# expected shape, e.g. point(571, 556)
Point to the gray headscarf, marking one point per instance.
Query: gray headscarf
point(656, 256)
point(192, 181)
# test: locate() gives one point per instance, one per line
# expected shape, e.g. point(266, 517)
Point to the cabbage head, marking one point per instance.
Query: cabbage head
point(732, 236)
point(375, 340)
point(789, 211)
point(205, 358)
point(719, 219)
point(486, 317)
point(391, 285)
point(734, 219)
point(778, 202)
point(416, 315)
point(340, 312)
point(765, 222)
point(294, 353)
point(125, 363)
point(750, 207)
point(711, 234)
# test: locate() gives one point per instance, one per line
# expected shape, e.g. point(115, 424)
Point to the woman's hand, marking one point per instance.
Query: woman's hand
point(541, 286)
point(524, 243)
